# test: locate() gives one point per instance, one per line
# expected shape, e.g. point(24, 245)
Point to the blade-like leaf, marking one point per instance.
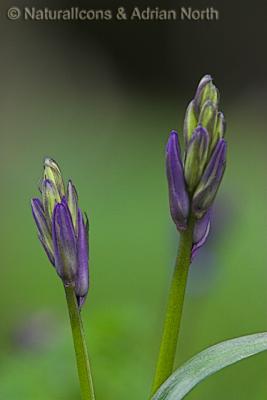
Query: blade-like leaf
point(207, 362)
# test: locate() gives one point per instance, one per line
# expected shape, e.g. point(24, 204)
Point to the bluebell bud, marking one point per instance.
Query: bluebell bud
point(193, 183)
point(63, 230)
point(210, 181)
point(178, 196)
point(196, 157)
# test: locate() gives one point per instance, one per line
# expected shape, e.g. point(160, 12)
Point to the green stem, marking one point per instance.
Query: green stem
point(174, 309)
point(82, 359)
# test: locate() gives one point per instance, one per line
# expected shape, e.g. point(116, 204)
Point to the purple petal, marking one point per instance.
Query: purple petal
point(38, 215)
point(200, 234)
point(44, 232)
point(210, 181)
point(82, 278)
point(178, 197)
point(65, 247)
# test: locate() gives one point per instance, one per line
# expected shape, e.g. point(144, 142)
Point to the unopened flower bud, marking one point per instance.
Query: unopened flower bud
point(62, 230)
point(50, 197)
point(209, 93)
point(53, 174)
point(190, 122)
point(72, 200)
point(44, 232)
point(178, 197)
point(207, 188)
point(82, 277)
point(207, 117)
point(219, 130)
point(196, 157)
point(64, 241)
point(201, 231)
point(193, 184)
point(201, 92)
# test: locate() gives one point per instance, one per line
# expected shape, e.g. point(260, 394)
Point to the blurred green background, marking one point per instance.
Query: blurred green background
point(68, 93)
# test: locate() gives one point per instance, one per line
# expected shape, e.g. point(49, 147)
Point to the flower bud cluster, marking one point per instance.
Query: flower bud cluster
point(194, 179)
point(62, 229)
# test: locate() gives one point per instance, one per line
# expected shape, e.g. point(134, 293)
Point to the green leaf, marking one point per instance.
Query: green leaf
point(207, 362)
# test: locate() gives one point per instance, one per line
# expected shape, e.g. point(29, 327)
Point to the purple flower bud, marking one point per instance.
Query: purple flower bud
point(65, 245)
point(178, 197)
point(62, 230)
point(44, 232)
point(82, 277)
point(201, 231)
point(193, 185)
point(210, 181)
point(202, 84)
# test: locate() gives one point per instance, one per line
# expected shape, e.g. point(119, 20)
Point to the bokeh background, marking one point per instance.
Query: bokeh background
point(101, 98)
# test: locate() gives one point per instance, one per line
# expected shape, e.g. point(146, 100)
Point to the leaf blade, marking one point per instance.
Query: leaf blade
point(209, 361)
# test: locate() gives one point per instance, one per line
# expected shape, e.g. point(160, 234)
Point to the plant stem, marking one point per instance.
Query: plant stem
point(82, 359)
point(174, 309)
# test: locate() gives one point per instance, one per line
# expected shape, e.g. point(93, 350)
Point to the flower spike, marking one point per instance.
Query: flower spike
point(62, 230)
point(193, 184)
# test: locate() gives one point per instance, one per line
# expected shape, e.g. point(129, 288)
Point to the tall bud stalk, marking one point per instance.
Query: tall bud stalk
point(63, 233)
point(193, 181)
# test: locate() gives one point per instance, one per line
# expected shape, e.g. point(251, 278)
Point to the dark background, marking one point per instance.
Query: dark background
point(157, 56)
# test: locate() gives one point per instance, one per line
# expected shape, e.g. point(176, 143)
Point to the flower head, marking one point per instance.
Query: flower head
point(194, 182)
point(62, 229)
